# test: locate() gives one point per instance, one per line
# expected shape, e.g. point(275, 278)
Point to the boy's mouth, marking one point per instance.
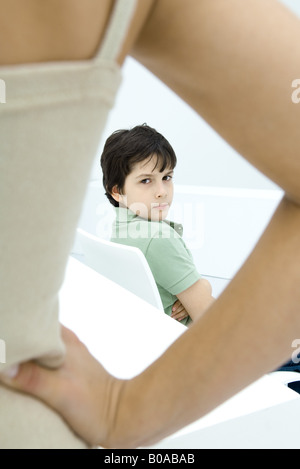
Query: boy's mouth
point(161, 206)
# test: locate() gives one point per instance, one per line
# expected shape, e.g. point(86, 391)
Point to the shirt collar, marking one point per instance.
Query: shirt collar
point(125, 215)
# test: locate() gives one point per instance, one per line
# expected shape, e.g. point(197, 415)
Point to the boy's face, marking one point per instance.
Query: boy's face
point(147, 191)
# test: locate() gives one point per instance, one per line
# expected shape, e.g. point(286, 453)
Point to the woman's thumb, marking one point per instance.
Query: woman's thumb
point(29, 378)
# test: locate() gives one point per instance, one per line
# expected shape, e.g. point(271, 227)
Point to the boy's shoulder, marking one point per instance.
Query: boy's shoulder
point(166, 229)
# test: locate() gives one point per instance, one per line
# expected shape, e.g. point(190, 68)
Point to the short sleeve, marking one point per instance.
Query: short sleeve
point(171, 264)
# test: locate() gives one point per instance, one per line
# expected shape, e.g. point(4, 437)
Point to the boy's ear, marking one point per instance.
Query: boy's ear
point(116, 194)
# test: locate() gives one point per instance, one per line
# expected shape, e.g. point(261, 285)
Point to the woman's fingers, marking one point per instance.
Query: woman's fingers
point(80, 390)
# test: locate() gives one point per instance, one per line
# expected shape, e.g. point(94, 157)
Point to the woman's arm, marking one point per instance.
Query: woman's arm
point(235, 67)
point(247, 332)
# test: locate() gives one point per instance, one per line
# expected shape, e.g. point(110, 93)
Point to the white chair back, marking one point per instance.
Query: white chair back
point(125, 265)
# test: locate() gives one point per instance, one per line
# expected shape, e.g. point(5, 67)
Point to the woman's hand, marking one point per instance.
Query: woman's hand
point(81, 390)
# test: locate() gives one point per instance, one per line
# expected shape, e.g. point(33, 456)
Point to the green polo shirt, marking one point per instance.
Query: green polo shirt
point(161, 243)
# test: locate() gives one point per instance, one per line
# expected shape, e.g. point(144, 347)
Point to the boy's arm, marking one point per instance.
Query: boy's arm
point(197, 298)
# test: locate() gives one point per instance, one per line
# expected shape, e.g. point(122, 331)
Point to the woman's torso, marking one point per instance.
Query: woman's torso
point(26, 423)
point(37, 31)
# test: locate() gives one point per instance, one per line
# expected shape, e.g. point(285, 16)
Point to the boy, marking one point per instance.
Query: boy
point(138, 166)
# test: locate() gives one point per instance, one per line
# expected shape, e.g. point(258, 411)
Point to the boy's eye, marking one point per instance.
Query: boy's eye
point(168, 177)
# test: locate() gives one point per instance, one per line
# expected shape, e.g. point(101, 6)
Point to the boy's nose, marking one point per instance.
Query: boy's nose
point(160, 191)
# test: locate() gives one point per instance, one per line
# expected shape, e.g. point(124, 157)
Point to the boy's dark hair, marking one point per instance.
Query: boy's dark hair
point(124, 148)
